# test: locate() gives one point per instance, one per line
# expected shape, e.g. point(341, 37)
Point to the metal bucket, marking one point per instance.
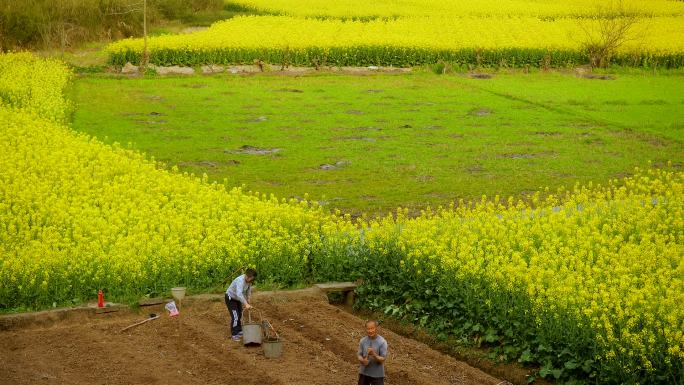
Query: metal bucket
point(178, 293)
point(273, 349)
point(251, 331)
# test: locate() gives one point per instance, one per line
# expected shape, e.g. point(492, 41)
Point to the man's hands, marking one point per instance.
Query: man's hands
point(371, 353)
point(378, 358)
point(365, 360)
point(248, 306)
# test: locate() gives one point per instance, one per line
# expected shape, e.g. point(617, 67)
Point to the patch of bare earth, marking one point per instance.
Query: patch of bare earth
point(598, 76)
point(319, 347)
point(251, 150)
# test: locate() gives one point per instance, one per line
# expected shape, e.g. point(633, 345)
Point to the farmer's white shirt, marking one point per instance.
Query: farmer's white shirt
point(240, 289)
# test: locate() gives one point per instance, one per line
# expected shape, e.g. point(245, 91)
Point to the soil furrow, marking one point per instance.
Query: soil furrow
point(319, 348)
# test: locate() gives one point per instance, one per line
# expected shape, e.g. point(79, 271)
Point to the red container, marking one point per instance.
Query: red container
point(100, 299)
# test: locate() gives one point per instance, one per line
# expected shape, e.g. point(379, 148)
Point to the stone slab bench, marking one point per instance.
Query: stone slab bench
point(347, 288)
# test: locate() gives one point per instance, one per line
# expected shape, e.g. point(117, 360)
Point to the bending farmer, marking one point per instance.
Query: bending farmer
point(238, 295)
point(371, 355)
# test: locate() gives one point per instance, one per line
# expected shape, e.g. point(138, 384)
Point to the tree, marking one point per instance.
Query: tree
point(613, 28)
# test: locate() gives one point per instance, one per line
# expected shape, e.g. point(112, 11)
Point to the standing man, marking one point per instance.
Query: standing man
point(239, 294)
point(371, 355)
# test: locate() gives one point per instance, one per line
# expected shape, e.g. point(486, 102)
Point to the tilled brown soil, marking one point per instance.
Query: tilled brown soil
point(319, 347)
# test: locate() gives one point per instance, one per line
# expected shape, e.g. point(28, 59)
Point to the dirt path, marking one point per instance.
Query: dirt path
point(319, 346)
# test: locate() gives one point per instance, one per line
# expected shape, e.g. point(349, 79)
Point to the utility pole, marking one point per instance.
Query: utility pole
point(146, 55)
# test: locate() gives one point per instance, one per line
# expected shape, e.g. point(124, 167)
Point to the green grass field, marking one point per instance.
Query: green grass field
point(373, 143)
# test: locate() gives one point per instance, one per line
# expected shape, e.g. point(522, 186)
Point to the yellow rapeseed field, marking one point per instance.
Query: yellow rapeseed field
point(587, 283)
point(599, 266)
point(408, 41)
point(252, 32)
point(77, 215)
point(349, 9)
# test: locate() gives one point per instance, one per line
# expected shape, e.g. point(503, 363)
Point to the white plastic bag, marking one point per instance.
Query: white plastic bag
point(171, 307)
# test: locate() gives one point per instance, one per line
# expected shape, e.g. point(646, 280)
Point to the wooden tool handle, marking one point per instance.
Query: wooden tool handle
point(139, 323)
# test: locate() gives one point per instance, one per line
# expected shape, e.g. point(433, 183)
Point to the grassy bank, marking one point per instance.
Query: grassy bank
point(373, 143)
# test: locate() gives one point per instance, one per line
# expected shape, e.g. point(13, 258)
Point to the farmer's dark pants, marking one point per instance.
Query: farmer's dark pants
point(235, 310)
point(365, 380)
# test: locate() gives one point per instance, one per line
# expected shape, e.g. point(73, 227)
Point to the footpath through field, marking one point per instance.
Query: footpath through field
point(319, 347)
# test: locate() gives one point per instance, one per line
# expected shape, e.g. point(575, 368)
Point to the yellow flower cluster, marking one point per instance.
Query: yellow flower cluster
point(350, 9)
point(34, 85)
